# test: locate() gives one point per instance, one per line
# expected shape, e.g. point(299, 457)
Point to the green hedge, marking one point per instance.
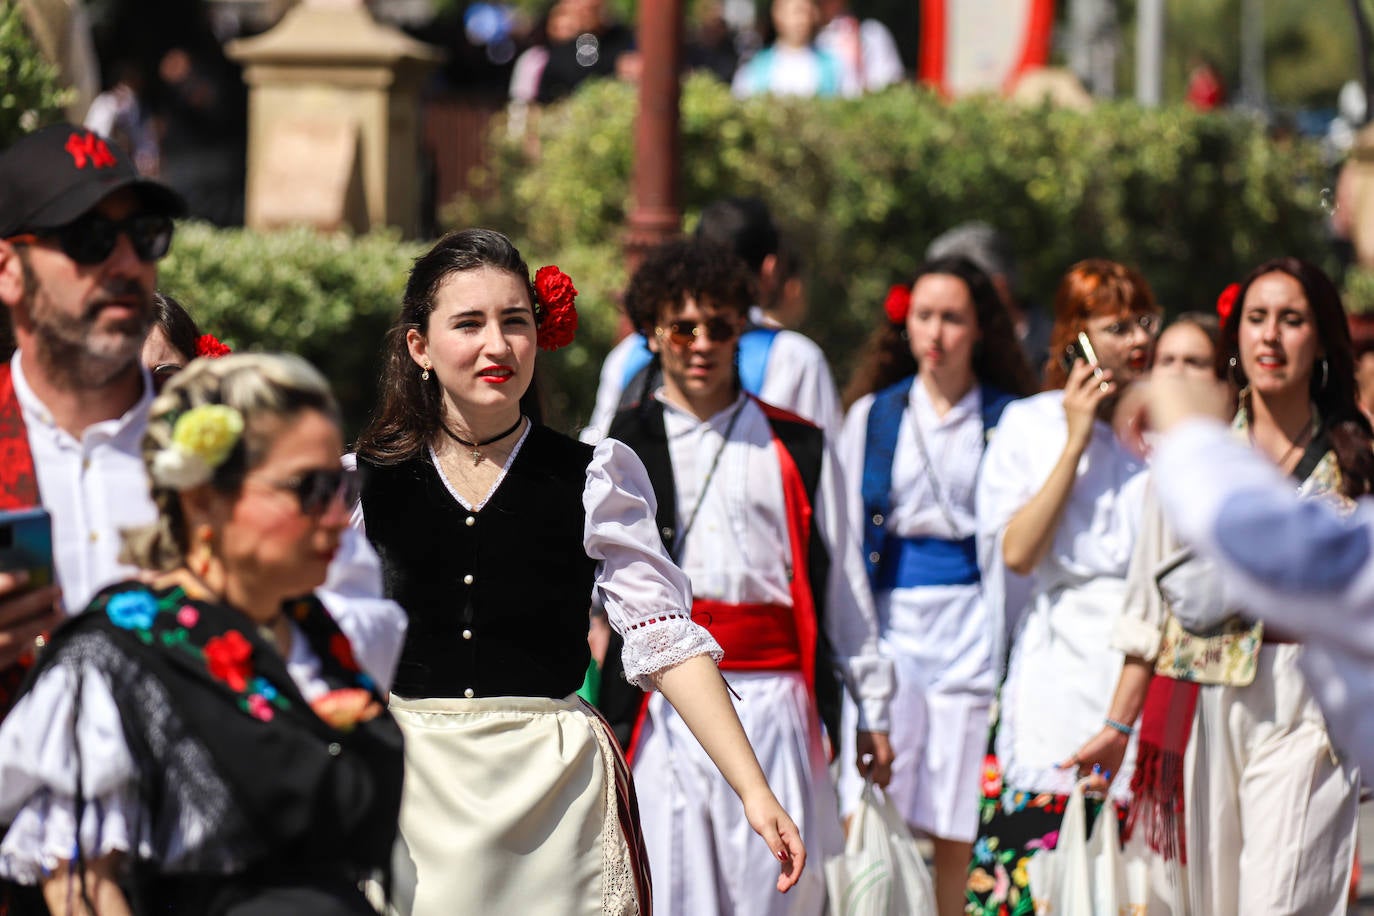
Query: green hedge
point(30, 95)
point(863, 185)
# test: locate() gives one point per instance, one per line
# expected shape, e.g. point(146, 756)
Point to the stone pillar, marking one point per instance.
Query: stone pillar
point(656, 212)
point(333, 120)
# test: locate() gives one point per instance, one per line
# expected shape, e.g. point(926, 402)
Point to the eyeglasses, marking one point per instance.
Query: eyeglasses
point(92, 238)
point(683, 333)
point(316, 490)
point(1149, 323)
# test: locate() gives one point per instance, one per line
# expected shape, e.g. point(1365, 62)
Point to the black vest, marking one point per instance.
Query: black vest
point(497, 599)
point(641, 428)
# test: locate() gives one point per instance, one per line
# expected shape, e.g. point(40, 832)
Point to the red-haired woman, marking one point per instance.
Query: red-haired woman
point(931, 386)
point(1058, 504)
point(1230, 730)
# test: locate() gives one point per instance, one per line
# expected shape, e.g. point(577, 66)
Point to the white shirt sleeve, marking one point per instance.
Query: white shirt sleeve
point(882, 62)
point(1297, 563)
point(352, 593)
point(1140, 627)
point(851, 623)
point(799, 380)
point(647, 598)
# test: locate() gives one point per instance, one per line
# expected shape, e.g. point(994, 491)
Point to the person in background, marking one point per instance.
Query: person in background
point(711, 43)
point(1229, 726)
point(597, 47)
point(1058, 502)
point(494, 533)
point(865, 48)
point(987, 247)
point(175, 340)
point(753, 507)
point(119, 113)
point(927, 396)
point(201, 738)
point(781, 366)
point(792, 63)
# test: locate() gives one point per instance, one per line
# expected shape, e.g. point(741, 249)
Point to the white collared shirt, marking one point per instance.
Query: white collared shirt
point(738, 547)
point(93, 487)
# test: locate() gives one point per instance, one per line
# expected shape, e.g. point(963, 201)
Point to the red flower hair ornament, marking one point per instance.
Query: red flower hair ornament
point(1226, 302)
point(556, 310)
point(897, 303)
point(210, 347)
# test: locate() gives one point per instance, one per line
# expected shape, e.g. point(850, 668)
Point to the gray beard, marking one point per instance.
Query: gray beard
point(70, 362)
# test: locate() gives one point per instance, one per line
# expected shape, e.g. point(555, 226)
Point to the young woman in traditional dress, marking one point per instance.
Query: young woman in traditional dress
point(203, 741)
point(1229, 729)
point(929, 392)
point(1058, 503)
point(495, 534)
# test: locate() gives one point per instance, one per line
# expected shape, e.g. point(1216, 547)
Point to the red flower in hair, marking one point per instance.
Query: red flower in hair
point(1227, 301)
point(557, 313)
point(897, 303)
point(210, 347)
point(229, 659)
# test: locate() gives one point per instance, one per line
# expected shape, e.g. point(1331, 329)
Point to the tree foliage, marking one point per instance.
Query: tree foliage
point(30, 95)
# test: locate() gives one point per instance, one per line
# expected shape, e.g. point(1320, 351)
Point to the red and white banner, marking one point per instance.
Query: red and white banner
point(982, 45)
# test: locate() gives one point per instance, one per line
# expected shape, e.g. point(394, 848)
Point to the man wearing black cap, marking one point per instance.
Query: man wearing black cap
point(80, 236)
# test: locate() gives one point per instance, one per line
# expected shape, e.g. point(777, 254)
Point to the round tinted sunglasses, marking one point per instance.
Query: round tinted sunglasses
point(92, 238)
point(316, 490)
point(682, 333)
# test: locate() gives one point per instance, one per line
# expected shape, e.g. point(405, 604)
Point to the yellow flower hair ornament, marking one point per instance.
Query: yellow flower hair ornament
point(202, 439)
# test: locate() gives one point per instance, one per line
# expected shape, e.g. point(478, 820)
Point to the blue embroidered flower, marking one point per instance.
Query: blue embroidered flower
point(262, 686)
point(366, 682)
point(132, 610)
point(982, 854)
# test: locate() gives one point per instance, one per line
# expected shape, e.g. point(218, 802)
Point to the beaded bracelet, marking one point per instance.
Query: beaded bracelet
point(1119, 726)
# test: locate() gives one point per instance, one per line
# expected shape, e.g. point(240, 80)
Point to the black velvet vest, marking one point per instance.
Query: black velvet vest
point(497, 599)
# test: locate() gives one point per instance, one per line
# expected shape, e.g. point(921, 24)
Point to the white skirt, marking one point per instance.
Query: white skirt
point(511, 806)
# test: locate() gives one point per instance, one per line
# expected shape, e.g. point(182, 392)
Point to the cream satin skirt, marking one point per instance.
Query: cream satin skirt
point(510, 807)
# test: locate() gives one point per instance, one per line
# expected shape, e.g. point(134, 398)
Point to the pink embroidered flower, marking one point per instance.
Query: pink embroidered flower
point(260, 708)
point(992, 777)
point(188, 616)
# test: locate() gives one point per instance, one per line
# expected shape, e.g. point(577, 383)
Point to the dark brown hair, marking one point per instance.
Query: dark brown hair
point(1336, 394)
point(1091, 288)
point(681, 268)
point(410, 409)
point(997, 360)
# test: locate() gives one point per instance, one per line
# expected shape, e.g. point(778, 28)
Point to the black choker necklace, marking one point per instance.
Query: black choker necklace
point(475, 448)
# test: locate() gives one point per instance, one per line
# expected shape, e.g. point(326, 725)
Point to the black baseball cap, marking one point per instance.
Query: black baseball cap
point(52, 176)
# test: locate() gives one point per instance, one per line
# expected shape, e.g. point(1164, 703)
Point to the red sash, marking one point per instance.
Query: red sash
point(18, 490)
point(795, 645)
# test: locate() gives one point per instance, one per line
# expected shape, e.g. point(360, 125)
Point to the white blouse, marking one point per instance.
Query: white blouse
point(50, 737)
point(1062, 670)
point(737, 548)
point(647, 599)
point(944, 628)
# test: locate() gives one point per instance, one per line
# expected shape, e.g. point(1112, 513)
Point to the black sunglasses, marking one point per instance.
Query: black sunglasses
point(90, 239)
point(682, 333)
point(316, 490)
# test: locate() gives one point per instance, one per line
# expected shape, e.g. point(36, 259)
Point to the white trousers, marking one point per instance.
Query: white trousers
point(1272, 808)
point(704, 857)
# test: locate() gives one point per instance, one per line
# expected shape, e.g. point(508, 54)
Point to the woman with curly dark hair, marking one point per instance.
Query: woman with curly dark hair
point(932, 385)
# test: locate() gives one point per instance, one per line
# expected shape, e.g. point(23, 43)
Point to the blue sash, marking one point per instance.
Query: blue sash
point(880, 445)
point(637, 361)
point(913, 562)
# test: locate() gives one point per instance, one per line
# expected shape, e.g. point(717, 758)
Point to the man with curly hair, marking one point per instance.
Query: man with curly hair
point(750, 505)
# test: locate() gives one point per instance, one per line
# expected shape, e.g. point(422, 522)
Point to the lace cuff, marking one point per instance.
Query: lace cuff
point(656, 643)
point(43, 834)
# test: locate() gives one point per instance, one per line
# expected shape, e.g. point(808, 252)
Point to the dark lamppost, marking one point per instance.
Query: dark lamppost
point(656, 209)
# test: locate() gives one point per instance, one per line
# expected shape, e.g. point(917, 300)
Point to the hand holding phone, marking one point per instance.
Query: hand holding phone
point(28, 598)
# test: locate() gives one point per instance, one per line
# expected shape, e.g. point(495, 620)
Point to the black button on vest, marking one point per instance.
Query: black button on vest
point(497, 599)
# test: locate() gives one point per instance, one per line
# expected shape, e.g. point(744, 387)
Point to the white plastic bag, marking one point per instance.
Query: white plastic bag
point(1089, 877)
point(1061, 878)
point(880, 872)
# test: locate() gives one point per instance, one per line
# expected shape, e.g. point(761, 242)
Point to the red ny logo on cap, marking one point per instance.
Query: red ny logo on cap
point(89, 148)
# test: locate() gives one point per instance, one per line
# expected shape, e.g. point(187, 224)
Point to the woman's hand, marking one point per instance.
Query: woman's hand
point(780, 833)
point(874, 757)
point(1084, 393)
point(346, 708)
point(1102, 755)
